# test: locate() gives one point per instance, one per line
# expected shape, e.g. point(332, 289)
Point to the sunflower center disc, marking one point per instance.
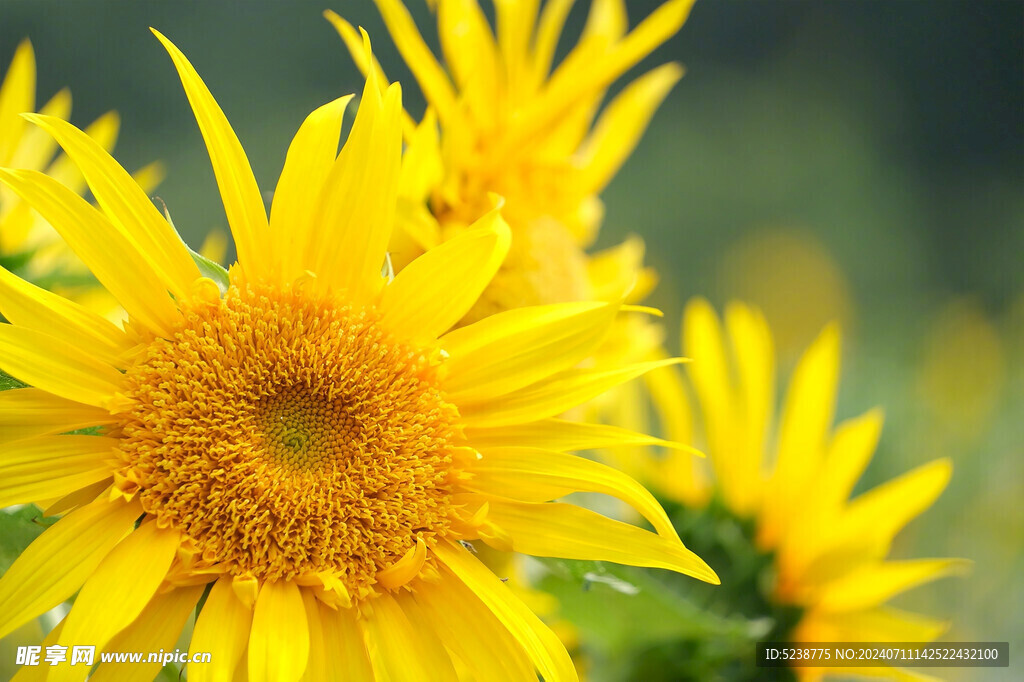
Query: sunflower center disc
point(285, 436)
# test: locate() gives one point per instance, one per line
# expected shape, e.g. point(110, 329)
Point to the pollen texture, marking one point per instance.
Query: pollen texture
point(285, 435)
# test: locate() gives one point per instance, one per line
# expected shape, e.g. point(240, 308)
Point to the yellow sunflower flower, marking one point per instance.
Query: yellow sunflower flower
point(818, 558)
point(28, 245)
point(302, 437)
point(501, 120)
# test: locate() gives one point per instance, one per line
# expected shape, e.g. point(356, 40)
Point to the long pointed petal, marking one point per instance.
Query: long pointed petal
point(401, 650)
point(431, 77)
point(475, 635)
point(116, 261)
point(27, 305)
point(553, 396)
point(349, 659)
point(56, 366)
point(437, 289)
point(239, 191)
point(50, 467)
point(876, 583)
point(31, 412)
point(157, 628)
point(145, 555)
point(311, 155)
point(279, 640)
point(17, 95)
point(127, 205)
point(514, 471)
point(56, 564)
point(560, 434)
point(541, 645)
point(621, 125)
point(222, 627)
point(570, 532)
point(512, 349)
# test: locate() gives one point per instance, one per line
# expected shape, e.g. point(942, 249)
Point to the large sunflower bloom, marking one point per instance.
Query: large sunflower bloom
point(28, 244)
point(501, 120)
point(302, 436)
point(823, 555)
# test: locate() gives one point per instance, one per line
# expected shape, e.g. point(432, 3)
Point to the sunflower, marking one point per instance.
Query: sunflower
point(800, 555)
point(501, 120)
point(28, 245)
point(299, 442)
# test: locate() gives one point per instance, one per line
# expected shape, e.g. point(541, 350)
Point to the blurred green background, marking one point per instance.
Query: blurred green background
point(859, 160)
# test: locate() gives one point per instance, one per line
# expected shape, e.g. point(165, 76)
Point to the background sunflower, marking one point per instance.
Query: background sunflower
point(859, 161)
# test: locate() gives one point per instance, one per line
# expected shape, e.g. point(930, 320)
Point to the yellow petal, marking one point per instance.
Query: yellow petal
point(712, 382)
point(402, 648)
point(366, 62)
point(849, 453)
point(116, 262)
point(614, 272)
point(145, 555)
point(56, 564)
point(78, 498)
point(542, 646)
point(37, 147)
point(515, 20)
point(27, 305)
point(621, 124)
point(471, 631)
point(126, 205)
point(549, 30)
point(751, 341)
point(156, 629)
point(359, 199)
point(222, 629)
point(432, 79)
point(553, 396)
point(876, 516)
point(279, 639)
point(512, 349)
point(560, 434)
point(56, 366)
point(348, 659)
point(884, 624)
point(103, 131)
point(437, 289)
point(803, 431)
point(569, 87)
point(17, 95)
point(570, 532)
point(514, 471)
point(406, 568)
point(422, 165)
point(239, 192)
point(52, 466)
point(310, 157)
point(874, 584)
point(471, 56)
point(318, 665)
point(30, 412)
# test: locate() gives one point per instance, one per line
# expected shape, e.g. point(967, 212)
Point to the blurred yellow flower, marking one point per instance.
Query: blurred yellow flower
point(303, 434)
point(502, 121)
point(29, 246)
point(793, 478)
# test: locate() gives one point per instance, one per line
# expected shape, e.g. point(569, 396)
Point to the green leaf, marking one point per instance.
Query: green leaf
point(7, 382)
point(18, 528)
